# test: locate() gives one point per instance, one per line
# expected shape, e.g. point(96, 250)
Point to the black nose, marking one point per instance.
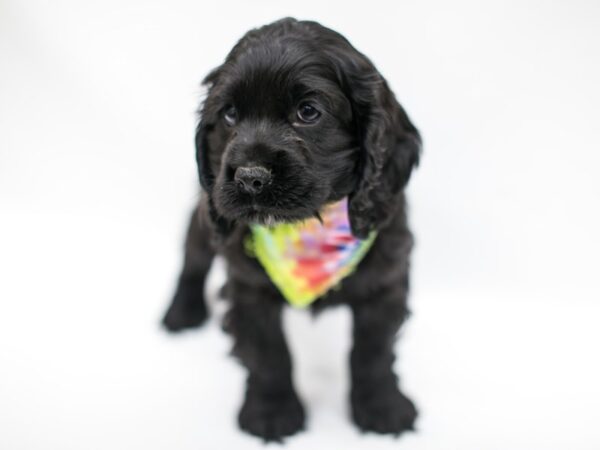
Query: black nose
point(252, 179)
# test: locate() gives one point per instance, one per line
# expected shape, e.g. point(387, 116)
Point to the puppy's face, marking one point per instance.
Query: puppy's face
point(283, 142)
point(288, 124)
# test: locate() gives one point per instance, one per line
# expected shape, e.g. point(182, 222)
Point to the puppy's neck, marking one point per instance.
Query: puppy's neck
point(306, 259)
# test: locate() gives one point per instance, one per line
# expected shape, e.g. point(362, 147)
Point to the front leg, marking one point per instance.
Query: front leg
point(377, 403)
point(188, 308)
point(271, 408)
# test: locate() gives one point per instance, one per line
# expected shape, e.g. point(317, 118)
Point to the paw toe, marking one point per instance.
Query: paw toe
point(187, 310)
point(393, 415)
point(272, 421)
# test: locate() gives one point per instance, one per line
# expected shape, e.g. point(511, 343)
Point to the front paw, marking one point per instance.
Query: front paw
point(383, 409)
point(188, 309)
point(271, 417)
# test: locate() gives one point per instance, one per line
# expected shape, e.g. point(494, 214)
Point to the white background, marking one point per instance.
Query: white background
point(97, 177)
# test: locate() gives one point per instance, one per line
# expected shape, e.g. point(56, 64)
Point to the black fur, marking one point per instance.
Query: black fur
point(362, 146)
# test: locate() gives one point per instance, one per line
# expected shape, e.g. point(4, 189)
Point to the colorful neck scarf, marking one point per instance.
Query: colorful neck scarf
point(306, 259)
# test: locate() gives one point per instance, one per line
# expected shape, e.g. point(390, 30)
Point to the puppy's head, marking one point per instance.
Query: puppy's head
point(296, 118)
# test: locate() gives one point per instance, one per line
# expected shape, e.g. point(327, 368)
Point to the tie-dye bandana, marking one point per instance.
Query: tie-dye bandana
point(306, 259)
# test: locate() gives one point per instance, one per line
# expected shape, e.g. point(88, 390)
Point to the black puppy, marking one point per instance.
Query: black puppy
point(296, 119)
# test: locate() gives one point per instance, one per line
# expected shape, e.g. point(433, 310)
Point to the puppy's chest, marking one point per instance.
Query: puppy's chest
point(305, 260)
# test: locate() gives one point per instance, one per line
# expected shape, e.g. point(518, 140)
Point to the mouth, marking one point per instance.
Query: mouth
point(271, 216)
point(279, 204)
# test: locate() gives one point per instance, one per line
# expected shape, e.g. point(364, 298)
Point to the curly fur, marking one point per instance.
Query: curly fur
point(363, 147)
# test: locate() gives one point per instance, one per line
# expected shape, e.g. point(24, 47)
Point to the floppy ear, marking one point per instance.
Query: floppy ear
point(221, 226)
point(205, 126)
point(390, 148)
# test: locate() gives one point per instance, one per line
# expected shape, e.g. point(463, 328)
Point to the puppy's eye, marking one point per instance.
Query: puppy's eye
point(307, 113)
point(230, 115)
